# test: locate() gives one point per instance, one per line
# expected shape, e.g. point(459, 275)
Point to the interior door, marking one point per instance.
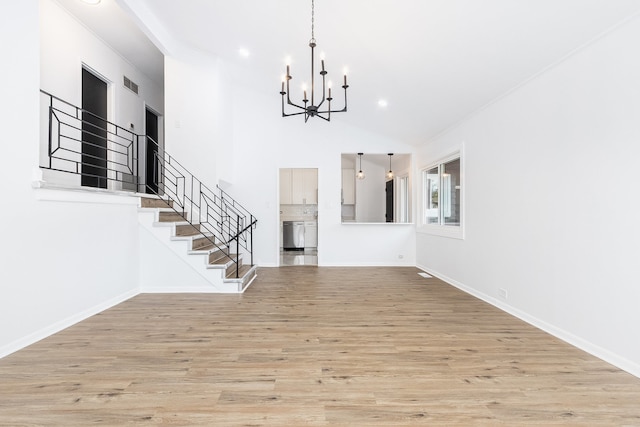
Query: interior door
point(389, 193)
point(94, 131)
point(152, 164)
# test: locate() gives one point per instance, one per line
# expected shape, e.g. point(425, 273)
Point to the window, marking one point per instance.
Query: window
point(442, 197)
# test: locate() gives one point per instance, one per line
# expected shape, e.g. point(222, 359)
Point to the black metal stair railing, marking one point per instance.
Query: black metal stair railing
point(224, 222)
point(110, 153)
point(84, 144)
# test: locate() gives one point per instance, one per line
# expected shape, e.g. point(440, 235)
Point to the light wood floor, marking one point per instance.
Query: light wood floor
point(308, 346)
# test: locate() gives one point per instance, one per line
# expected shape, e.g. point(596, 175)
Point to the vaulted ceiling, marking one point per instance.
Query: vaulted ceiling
point(435, 62)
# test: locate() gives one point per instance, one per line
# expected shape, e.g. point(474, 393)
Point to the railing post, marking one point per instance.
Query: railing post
point(137, 162)
point(50, 130)
point(237, 246)
point(226, 217)
point(251, 238)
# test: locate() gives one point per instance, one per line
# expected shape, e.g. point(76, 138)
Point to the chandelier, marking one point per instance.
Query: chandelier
point(309, 107)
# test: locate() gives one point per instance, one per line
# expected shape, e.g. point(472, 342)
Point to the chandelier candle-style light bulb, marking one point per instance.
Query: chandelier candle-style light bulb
point(311, 109)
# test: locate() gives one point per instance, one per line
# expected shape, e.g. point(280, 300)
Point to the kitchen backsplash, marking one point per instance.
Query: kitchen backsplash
point(294, 212)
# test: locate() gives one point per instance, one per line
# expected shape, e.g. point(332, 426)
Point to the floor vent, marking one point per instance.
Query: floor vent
point(425, 275)
point(130, 85)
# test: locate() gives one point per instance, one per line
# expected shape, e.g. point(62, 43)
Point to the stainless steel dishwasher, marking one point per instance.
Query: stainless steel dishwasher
point(293, 235)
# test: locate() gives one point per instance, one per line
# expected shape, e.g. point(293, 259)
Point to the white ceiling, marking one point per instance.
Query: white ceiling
point(434, 61)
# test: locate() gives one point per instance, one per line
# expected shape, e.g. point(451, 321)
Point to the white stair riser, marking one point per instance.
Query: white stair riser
point(180, 246)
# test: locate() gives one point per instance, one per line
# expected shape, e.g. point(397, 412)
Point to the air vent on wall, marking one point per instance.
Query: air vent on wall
point(130, 85)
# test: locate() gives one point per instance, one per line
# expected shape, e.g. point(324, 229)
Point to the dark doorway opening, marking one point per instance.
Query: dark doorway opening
point(152, 162)
point(389, 192)
point(94, 131)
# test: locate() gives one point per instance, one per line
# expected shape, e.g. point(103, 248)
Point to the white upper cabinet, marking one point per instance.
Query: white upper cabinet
point(285, 187)
point(298, 186)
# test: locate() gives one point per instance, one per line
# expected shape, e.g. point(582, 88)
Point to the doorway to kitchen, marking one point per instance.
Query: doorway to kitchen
point(298, 216)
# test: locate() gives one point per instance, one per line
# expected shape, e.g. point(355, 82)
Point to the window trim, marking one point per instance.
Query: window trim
point(404, 205)
point(452, 231)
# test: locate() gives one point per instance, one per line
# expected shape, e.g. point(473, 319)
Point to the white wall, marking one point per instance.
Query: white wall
point(65, 255)
point(67, 45)
point(191, 114)
point(266, 142)
point(551, 201)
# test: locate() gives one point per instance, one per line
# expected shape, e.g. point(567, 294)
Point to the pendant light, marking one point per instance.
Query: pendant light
point(390, 173)
point(360, 174)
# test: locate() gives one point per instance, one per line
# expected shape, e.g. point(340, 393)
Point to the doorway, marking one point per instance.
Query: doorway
point(389, 202)
point(152, 162)
point(94, 131)
point(298, 216)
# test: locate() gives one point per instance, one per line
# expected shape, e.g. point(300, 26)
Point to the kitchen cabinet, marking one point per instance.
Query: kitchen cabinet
point(348, 186)
point(304, 186)
point(298, 186)
point(285, 187)
point(310, 234)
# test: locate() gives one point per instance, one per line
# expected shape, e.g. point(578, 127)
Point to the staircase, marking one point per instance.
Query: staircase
point(221, 269)
point(183, 222)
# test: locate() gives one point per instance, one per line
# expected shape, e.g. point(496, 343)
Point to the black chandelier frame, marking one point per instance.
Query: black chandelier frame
point(310, 109)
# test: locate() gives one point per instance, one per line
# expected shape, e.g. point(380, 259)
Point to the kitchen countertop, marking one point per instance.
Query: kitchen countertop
point(298, 218)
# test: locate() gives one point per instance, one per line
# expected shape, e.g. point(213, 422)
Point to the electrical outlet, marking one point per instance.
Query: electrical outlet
point(503, 293)
point(400, 256)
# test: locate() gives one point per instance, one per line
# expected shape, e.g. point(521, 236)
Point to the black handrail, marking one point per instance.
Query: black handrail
point(220, 219)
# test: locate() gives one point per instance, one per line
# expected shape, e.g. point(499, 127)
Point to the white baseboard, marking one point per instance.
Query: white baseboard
point(181, 290)
point(593, 349)
point(366, 264)
point(63, 324)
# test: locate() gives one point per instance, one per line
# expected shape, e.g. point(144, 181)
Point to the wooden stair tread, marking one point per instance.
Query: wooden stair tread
point(221, 259)
point(244, 269)
point(171, 217)
point(152, 202)
point(188, 230)
point(203, 243)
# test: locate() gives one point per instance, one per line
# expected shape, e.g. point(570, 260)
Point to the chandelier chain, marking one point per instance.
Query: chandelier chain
point(313, 38)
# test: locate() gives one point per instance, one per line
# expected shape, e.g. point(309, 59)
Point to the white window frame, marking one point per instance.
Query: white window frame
point(403, 190)
point(439, 229)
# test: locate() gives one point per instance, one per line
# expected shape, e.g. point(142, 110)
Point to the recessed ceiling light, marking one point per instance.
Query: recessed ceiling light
point(382, 103)
point(244, 52)
point(91, 1)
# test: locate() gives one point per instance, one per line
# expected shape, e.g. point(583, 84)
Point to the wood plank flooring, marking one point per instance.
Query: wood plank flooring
point(308, 346)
